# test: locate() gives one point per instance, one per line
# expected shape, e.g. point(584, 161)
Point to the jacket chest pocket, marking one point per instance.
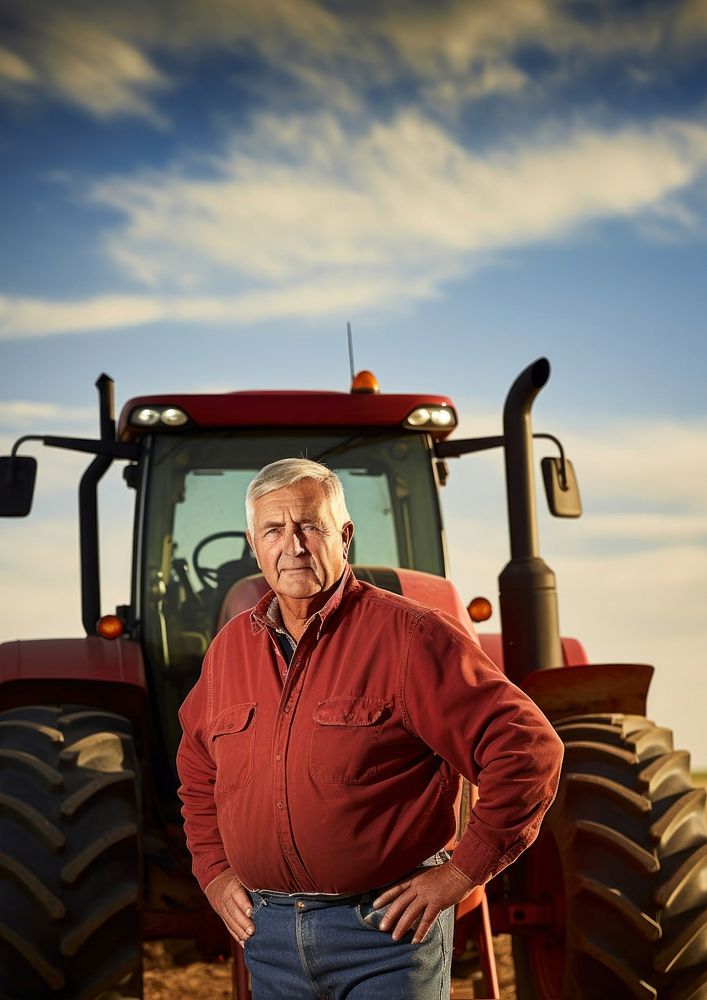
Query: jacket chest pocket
point(345, 739)
point(232, 740)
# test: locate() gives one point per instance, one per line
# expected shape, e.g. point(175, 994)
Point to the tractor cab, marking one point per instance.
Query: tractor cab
point(193, 553)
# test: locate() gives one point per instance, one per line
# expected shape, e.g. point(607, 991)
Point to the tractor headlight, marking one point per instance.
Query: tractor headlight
point(150, 416)
point(173, 417)
point(431, 417)
point(146, 417)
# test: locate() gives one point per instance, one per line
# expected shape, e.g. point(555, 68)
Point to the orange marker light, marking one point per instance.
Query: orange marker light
point(110, 627)
point(480, 609)
point(365, 381)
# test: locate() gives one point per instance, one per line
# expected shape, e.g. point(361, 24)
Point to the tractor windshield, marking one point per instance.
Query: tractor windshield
point(194, 546)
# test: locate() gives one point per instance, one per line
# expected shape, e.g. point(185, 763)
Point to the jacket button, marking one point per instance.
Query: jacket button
point(279, 805)
point(278, 757)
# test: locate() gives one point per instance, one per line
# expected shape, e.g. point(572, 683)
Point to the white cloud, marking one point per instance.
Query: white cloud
point(104, 57)
point(459, 36)
point(72, 56)
point(22, 413)
point(102, 73)
point(662, 462)
point(302, 195)
point(14, 69)
point(690, 25)
point(298, 218)
point(44, 317)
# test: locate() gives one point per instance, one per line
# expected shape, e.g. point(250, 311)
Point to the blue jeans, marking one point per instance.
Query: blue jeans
point(311, 949)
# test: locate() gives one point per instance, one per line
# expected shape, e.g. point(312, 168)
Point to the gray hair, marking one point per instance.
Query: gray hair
point(287, 472)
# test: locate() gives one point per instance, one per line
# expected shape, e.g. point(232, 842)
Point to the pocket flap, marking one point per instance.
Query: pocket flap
point(233, 720)
point(351, 710)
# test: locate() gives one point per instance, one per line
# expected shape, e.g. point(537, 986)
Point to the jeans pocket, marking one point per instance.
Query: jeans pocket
point(257, 903)
point(370, 918)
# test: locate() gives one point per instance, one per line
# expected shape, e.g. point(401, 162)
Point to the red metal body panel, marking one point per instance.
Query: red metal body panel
point(573, 652)
point(438, 593)
point(287, 409)
point(88, 659)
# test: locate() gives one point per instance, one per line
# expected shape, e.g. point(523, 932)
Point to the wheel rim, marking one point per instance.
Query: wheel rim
point(546, 949)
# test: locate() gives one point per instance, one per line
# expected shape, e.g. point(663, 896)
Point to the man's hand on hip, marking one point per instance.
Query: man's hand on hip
point(418, 900)
point(232, 903)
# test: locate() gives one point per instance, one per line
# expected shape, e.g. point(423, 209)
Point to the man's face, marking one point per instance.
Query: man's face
point(298, 545)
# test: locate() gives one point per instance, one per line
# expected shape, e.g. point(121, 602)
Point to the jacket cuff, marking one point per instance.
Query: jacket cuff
point(477, 861)
point(206, 869)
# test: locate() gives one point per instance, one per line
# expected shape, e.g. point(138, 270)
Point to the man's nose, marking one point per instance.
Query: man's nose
point(293, 542)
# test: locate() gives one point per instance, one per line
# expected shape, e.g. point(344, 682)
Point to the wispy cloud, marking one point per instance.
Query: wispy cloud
point(295, 219)
point(106, 58)
point(14, 70)
point(69, 55)
point(661, 463)
point(301, 196)
point(39, 318)
point(22, 413)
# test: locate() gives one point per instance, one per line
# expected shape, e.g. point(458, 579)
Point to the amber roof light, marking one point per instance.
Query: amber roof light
point(365, 381)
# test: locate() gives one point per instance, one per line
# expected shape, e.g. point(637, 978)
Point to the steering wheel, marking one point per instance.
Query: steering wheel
point(209, 575)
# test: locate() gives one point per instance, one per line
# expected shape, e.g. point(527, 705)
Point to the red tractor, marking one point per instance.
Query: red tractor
point(612, 899)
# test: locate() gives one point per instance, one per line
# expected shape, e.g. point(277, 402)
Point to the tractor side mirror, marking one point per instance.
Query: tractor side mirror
point(17, 479)
point(561, 487)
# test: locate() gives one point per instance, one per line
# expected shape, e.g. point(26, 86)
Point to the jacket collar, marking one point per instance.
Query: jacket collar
point(266, 613)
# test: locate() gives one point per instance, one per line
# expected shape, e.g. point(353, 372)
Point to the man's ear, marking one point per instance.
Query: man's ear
point(347, 533)
point(249, 539)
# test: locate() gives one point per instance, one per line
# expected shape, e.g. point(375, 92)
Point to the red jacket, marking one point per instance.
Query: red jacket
point(344, 777)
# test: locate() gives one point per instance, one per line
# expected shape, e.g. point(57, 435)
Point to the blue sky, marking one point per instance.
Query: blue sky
point(199, 196)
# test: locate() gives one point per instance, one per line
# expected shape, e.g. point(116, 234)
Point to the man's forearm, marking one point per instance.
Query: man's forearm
point(199, 812)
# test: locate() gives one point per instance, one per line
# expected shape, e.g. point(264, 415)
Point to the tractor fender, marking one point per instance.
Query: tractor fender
point(66, 660)
point(591, 688)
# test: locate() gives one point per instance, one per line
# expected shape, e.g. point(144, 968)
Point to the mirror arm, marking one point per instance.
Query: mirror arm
point(464, 446)
point(563, 467)
point(114, 449)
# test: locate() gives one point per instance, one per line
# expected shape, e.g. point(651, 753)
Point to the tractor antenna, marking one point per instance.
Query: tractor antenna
point(350, 339)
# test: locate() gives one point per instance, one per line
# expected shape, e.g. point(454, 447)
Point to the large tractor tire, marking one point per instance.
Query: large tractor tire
point(70, 856)
point(619, 872)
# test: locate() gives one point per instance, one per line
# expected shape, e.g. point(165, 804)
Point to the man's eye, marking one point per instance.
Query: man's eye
point(309, 527)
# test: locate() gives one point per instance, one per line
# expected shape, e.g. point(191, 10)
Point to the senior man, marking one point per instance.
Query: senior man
point(320, 761)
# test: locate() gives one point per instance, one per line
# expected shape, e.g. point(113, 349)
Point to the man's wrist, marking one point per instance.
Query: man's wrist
point(226, 875)
point(461, 876)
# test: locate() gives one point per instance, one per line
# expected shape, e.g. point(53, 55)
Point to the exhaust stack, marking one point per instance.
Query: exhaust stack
point(528, 595)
